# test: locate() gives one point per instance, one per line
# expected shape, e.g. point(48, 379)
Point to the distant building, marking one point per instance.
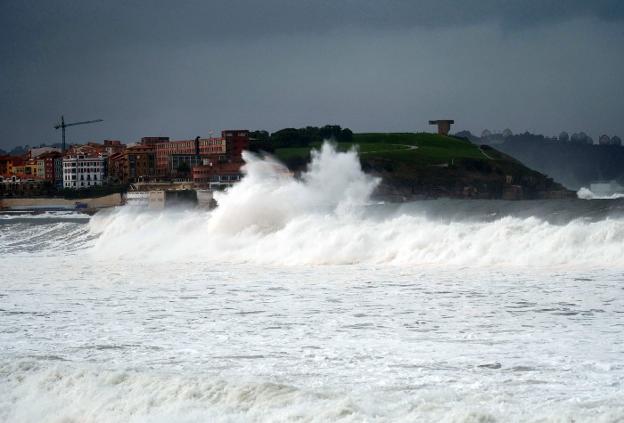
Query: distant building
point(139, 163)
point(116, 169)
point(113, 146)
point(48, 164)
point(444, 125)
point(58, 171)
point(171, 155)
point(152, 141)
point(33, 170)
point(235, 142)
point(166, 150)
point(6, 164)
point(83, 167)
point(136, 163)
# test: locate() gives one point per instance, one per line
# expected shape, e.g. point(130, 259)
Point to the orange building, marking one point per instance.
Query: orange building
point(139, 163)
point(166, 150)
point(6, 164)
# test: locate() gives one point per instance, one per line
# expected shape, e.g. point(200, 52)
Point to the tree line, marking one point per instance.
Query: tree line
point(261, 140)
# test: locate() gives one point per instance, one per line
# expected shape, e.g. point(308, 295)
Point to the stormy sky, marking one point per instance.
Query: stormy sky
point(186, 68)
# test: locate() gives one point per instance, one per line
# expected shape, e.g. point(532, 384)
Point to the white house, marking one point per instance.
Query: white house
point(82, 170)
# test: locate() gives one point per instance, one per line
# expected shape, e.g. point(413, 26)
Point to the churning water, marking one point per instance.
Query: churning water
point(303, 300)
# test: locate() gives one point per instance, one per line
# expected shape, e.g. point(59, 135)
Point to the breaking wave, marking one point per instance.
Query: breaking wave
point(61, 393)
point(326, 216)
point(33, 393)
point(587, 194)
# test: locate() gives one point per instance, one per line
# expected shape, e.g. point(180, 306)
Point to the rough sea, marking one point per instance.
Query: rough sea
point(302, 300)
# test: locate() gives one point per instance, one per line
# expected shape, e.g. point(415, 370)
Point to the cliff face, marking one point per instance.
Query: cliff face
point(416, 166)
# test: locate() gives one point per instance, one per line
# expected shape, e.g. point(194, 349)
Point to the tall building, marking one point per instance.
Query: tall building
point(236, 140)
point(139, 163)
point(152, 141)
point(84, 166)
point(169, 155)
point(48, 166)
point(113, 146)
point(223, 170)
point(58, 171)
point(6, 164)
point(117, 169)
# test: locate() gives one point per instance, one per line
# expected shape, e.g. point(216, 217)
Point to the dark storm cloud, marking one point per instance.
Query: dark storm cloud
point(101, 21)
point(179, 68)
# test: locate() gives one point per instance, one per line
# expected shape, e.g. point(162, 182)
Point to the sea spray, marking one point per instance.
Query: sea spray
point(271, 217)
point(587, 194)
point(269, 197)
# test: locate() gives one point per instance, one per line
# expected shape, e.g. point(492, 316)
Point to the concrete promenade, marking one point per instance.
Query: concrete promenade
point(42, 203)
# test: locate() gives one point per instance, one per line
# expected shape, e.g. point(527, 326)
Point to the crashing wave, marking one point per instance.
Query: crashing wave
point(270, 217)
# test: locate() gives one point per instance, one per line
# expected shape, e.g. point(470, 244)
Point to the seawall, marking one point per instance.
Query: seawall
point(110, 200)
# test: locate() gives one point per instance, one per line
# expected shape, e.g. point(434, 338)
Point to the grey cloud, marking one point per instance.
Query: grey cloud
point(68, 21)
point(182, 68)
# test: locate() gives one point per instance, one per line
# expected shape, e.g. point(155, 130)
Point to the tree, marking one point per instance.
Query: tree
point(564, 137)
point(329, 132)
point(604, 140)
point(507, 133)
point(260, 141)
point(486, 133)
point(259, 135)
point(346, 135)
point(615, 140)
point(581, 138)
point(291, 137)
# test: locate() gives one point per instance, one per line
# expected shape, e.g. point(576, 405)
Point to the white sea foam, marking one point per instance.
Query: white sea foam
point(32, 393)
point(323, 218)
point(587, 194)
point(88, 395)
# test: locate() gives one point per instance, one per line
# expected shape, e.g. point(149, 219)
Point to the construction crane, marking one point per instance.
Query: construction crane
point(64, 125)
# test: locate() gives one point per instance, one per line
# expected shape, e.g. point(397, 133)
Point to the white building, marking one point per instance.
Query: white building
point(82, 171)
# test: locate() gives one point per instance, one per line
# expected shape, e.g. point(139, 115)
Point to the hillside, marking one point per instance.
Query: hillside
point(423, 165)
point(574, 165)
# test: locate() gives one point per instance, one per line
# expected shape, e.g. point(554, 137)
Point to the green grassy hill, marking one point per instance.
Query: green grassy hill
point(417, 165)
point(422, 148)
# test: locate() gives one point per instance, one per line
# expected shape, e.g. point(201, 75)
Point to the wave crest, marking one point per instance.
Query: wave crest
point(270, 217)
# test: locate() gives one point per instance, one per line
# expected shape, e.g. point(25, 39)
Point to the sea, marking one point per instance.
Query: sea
point(304, 299)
